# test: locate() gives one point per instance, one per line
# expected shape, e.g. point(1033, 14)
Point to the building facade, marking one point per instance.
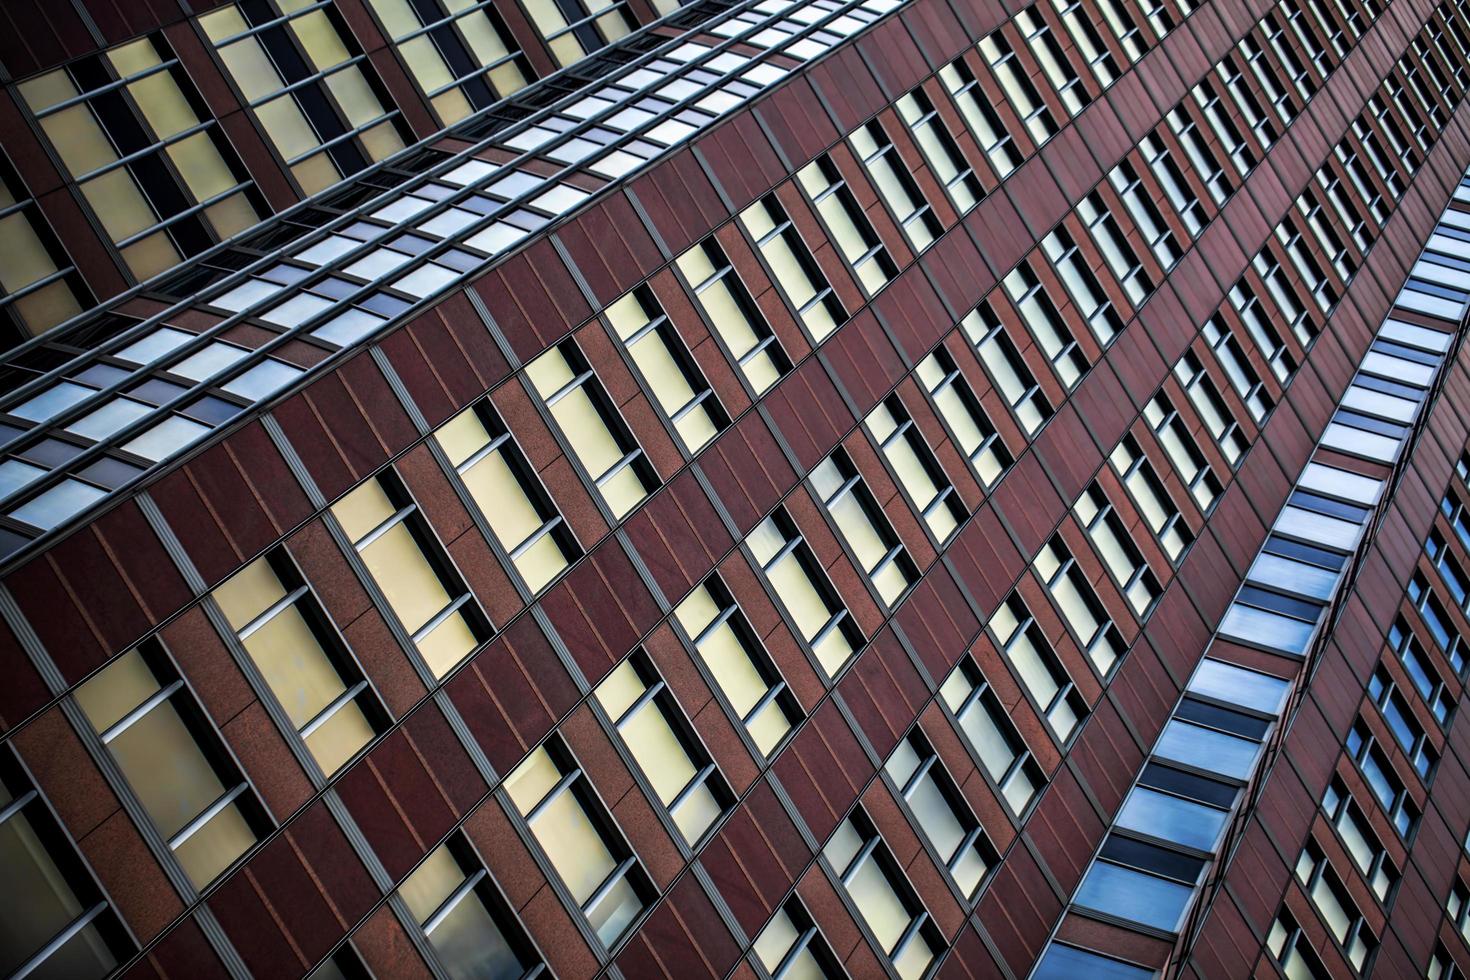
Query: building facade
point(758, 488)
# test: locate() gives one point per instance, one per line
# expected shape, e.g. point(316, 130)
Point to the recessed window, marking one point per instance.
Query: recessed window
point(302, 659)
point(1151, 498)
point(1330, 898)
point(885, 899)
point(1293, 949)
point(656, 732)
point(174, 762)
point(992, 735)
point(895, 185)
point(467, 923)
point(1080, 606)
point(312, 90)
point(1044, 322)
point(668, 371)
point(863, 525)
point(1359, 839)
point(57, 921)
point(556, 799)
point(1382, 779)
point(940, 150)
point(574, 29)
point(963, 416)
point(414, 573)
point(145, 153)
point(518, 509)
point(463, 57)
point(791, 262)
point(797, 579)
point(736, 320)
point(791, 947)
point(1013, 379)
point(1037, 667)
point(980, 116)
point(847, 225)
point(941, 812)
point(918, 472)
point(39, 286)
point(742, 670)
point(600, 439)
point(1109, 535)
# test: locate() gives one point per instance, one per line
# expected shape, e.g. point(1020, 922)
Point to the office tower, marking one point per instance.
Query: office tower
point(756, 488)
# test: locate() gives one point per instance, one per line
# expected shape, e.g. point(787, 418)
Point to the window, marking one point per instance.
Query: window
point(940, 150)
point(653, 727)
point(1063, 962)
point(1359, 840)
point(410, 567)
point(1177, 807)
point(468, 924)
point(963, 417)
point(668, 371)
point(1053, 60)
point(1198, 148)
point(1382, 779)
point(1022, 95)
point(1442, 965)
point(174, 762)
point(895, 185)
point(1146, 217)
point(57, 921)
point(742, 670)
point(888, 904)
point(1080, 606)
point(1437, 620)
point(1012, 378)
point(847, 226)
point(746, 335)
point(145, 152)
point(984, 124)
point(39, 286)
point(941, 812)
point(1116, 252)
point(796, 578)
point(791, 946)
point(1190, 372)
point(1139, 882)
point(992, 736)
point(1176, 187)
point(863, 525)
point(600, 871)
point(1189, 463)
point(574, 29)
point(793, 266)
point(1422, 673)
point(600, 440)
point(1212, 738)
point(503, 486)
point(1153, 501)
point(1037, 667)
point(1335, 906)
point(1293, 950)
point(1116, 548)
point(302, 659)
point(1402, 724)
point(1044, 322)
point(311, 91)
point(918, 472)
point(1081, 284)
point(1084, 34)
point(460, 54)
point(1296, 568)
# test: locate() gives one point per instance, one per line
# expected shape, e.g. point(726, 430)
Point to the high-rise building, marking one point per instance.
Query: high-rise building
point(751, 489)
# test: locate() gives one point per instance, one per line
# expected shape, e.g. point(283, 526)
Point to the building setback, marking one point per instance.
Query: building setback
point(753, 489)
